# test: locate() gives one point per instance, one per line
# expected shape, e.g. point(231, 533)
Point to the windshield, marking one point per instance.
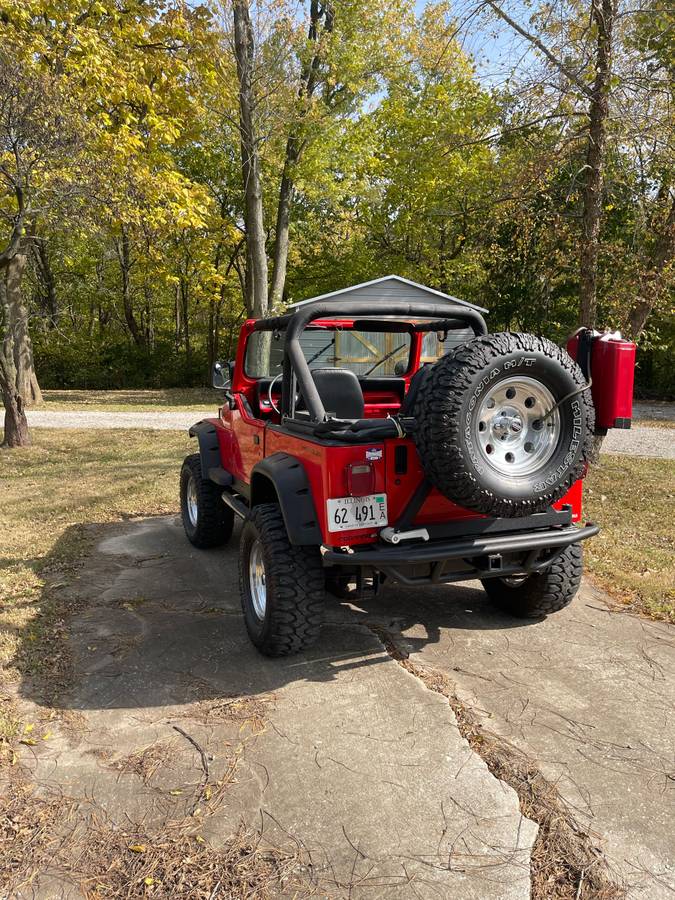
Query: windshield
point(375, 353)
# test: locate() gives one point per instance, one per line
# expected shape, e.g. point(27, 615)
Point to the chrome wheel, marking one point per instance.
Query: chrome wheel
point(192, 501)
point(513, 437)
point(256, 577)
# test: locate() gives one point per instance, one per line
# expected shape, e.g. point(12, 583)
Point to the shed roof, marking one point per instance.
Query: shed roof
point(389, 287)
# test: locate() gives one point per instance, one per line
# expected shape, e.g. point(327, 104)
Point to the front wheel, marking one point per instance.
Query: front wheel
point(207, 521)
point(282, 586)
point(537, 595)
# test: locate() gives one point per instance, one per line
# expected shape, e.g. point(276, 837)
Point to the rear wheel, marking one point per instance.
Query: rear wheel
point(537, 595)
point(282, 586)
point(206, 519)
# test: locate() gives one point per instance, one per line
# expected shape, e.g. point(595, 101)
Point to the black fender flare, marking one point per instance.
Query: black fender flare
point(209, 448)
point(288, 477)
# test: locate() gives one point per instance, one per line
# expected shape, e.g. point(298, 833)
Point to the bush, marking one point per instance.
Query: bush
point(114, 364)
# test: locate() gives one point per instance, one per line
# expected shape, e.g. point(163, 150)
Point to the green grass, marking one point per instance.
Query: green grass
point(167, 400)
point(633, 501)
point(52, 493)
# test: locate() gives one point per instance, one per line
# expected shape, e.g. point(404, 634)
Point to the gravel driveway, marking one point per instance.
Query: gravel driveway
point(639, 441)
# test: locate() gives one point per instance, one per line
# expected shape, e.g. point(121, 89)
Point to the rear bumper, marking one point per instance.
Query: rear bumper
point(430, 551)
point(481, 556)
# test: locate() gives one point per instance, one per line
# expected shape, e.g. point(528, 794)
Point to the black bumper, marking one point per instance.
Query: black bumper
point(479, 556)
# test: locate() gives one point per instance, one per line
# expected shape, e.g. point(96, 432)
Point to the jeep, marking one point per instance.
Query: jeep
point(408, 447)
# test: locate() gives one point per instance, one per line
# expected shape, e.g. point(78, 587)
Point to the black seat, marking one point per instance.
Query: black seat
point(340, 392)
point(416, 382)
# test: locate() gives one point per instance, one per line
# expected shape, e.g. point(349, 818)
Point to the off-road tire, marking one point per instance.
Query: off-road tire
point(541, 593)
point(295, 586)
point(447, 410)
point(215, 520)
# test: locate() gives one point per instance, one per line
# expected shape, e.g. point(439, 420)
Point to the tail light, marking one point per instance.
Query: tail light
point(360, 479)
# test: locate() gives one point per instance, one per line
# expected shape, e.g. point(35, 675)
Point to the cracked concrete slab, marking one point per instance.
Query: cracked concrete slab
point(338, 750)
point(589, 693)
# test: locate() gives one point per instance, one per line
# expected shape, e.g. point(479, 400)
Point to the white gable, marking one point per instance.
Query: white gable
point(390, 287)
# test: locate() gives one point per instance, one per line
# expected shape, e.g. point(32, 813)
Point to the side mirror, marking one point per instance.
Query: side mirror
point(220, 376)
point(400, 368)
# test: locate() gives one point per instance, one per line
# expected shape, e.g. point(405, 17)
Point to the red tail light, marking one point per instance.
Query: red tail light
point(360, 479)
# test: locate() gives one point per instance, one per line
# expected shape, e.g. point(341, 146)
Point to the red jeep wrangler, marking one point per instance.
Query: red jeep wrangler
point(411, 447)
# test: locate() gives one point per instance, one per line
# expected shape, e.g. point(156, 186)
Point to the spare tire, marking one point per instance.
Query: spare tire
point(483, 433)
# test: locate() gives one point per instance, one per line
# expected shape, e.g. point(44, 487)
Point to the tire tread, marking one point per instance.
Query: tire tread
point(295, 582)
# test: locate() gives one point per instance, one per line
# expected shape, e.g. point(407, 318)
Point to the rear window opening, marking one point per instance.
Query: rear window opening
point(382, 354)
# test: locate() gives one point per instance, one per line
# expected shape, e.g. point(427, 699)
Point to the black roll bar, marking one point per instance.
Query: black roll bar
point(294, 358)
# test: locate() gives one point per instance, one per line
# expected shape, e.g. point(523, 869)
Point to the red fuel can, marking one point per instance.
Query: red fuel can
point(611, 365)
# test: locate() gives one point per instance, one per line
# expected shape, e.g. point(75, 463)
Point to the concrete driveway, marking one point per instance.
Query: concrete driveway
point(342, 752)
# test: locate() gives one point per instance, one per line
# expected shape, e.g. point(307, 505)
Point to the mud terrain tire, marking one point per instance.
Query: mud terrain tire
point(206, 519)
point(542, 593)
point(454, 428)
point(288, 620)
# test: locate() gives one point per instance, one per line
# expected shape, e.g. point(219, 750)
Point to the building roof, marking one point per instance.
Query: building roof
point(389, 287)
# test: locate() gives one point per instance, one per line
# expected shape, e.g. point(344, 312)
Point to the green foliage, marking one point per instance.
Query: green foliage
point(409, 165)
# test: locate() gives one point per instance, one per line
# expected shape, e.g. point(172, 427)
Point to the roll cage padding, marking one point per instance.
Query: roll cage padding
point(209, 448)
point(294, 358)
point(289, 479)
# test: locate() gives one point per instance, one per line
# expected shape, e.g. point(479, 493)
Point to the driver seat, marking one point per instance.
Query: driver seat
point(340, 392)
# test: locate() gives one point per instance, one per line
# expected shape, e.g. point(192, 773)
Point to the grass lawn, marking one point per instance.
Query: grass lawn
point(633, 501)
point(51, 492)
point(164, 400)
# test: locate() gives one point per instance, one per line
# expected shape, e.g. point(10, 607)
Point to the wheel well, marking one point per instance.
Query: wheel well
point(282, 479)
point(262, 490)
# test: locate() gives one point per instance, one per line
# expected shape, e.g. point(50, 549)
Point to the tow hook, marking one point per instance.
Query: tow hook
point(395, 537)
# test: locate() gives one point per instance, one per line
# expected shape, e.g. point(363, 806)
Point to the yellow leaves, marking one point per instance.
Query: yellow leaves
point(149, 881)
point(137, 848)
point(29, 742)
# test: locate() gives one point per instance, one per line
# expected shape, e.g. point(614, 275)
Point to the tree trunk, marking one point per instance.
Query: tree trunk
point(49, 299)
point(123, 248)
point(603, 13)
point(26, 382)
point(281, 238)
point(16, 433)
point(16, 425)
point(294, 149)
point(257, 298)
point(185, 307)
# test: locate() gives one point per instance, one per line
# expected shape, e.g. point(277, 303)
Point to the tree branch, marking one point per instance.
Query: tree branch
point(539, 44)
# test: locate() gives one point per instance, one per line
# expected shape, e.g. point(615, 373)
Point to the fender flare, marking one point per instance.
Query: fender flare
point(209, 448)
point(288, 477)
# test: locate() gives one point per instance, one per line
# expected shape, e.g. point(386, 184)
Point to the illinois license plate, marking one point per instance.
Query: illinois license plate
point(351, 513)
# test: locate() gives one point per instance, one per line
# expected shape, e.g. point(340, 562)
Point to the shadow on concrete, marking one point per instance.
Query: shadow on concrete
point(158, 624)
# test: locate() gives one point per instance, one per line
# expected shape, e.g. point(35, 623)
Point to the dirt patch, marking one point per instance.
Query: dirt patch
point(52, 840)
point(566, 863)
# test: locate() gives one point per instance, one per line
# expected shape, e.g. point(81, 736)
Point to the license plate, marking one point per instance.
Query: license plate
point(352, 513)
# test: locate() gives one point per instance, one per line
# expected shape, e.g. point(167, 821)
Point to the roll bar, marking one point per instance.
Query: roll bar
point(294, 358)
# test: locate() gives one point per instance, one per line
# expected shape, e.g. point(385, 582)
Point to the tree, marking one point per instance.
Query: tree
point(256, 254)
point(296, 80)
point(601, 71)
point(39, 144)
